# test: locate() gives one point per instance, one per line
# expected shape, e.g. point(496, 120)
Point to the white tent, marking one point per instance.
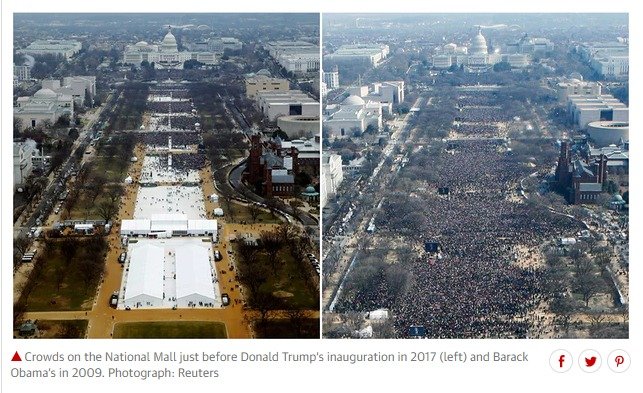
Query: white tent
point(194, 277)
point(144, 287)
point(214, 198)
point(367, 332)
point(177, 223)
point(218, 212)
point(168, 225)
point(86, 228)
point(202, 227)
point(128, 180)
point(379, 314)
point(135, 227)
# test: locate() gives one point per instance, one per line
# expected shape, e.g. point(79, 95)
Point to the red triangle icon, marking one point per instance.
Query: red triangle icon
point(16, 357)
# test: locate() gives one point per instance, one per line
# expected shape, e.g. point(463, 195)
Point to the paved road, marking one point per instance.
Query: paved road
point(375, 185)
point(56, 183)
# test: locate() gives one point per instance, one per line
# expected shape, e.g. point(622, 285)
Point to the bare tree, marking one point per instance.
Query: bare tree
point(254, 211)
point(264, 303)
point(69, 248)
point(298, 318)
point(17, 260)
point(285, 231)
point(60, 272)
point(583, 265)
point(21, 244)
point(625, 313)
point(588, 286)
point(17, 126)
point(271, 243)
point(228, 205)
point(90, 270)
point(107, 210)
point(246, 251)
point(115, 192)
point(95, 185)
point(253, 275)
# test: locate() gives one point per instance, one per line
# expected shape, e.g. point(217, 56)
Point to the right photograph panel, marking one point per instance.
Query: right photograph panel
point(475, 176)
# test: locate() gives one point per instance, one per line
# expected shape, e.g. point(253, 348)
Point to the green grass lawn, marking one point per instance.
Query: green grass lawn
point(288, 279)
point(170, 329)
point(71, 295)
point(283, 328)
point(242, 213)
point(111, 169)
point(63, 329)
point(85, 209)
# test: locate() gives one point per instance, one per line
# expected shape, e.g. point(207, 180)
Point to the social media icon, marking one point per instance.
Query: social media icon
point(589, 360)
point(618, 361)
point(561, 361)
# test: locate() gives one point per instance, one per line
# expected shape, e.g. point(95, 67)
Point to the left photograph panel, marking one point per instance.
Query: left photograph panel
point(166, 175)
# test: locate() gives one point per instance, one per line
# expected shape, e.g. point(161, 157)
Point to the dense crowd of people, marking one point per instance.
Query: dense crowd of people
point(481, 98)
point(166, 106)
point(471, 288)
point(184, 162)
point(477, 129)
point(179, 139)
point(172, 99)
point(179, 122)
point(176, 90)
point(482, 114)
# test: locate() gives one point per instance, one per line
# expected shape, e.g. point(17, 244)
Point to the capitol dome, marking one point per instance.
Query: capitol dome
point(353, 100)
point(169, 43)
point(479, 44)
point(264, 72)
point(45, 93)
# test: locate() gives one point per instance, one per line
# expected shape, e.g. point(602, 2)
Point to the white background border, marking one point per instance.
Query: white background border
point(536, 376)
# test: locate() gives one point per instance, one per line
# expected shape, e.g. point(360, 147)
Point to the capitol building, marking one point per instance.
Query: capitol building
point(476, 57)
point(164, 55)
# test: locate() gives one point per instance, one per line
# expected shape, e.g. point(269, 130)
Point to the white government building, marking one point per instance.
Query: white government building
point(164, 56)
point(386, 93)
point(45, 104)
point(274, 103)
point(363, 108)
point(74, 86)
point(331, 79)
point(332, 176)
point(63, 48)
point(373, 54)
point(24, 154)
point(353, 114)
point(585, 109)
point(608, 59)
point(576, 87)
point(475, 58)
point(298, 57)
point(298, 126)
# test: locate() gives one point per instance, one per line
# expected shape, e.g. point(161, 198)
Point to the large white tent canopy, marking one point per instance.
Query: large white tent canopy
point(194, 276)
point(175, 224)
point(145, 278)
